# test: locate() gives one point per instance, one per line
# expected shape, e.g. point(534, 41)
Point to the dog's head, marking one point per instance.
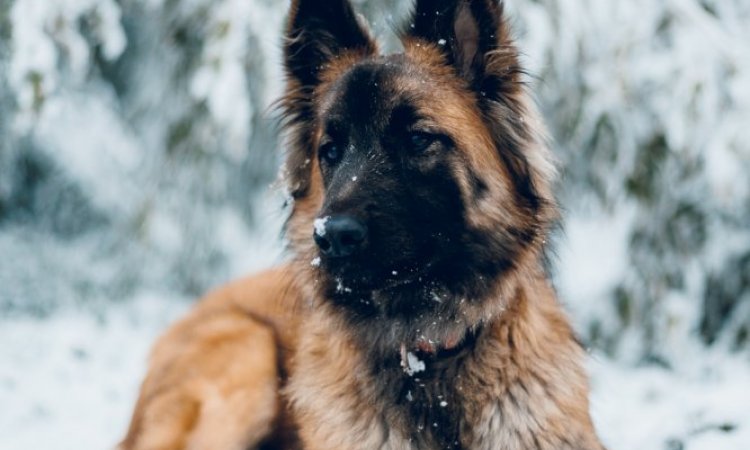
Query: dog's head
point(419, 179)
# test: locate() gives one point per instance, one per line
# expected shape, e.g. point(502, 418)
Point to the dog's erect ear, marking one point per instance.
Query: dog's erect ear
point(475, 39)
point(471, 33)
point(317, 31)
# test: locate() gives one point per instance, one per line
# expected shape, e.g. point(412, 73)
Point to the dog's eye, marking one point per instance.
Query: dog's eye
point(421, 141)
point(330, 153)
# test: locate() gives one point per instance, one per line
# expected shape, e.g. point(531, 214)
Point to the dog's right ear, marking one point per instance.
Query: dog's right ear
point(317, 32)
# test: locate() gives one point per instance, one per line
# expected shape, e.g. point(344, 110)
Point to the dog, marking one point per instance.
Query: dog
point(415, 311)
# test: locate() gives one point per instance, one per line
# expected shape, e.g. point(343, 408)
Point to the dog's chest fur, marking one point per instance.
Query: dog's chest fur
point(502, 393)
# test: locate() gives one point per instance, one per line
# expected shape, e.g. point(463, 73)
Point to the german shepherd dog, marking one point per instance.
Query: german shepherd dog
point(415, 311)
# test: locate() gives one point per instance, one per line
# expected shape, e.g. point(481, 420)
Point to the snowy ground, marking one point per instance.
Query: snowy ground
point(700, 407)
point(69, 382)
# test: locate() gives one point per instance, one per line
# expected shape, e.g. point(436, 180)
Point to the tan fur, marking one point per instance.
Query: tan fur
point(528, 352)
point(214, 379)
point(214, 376)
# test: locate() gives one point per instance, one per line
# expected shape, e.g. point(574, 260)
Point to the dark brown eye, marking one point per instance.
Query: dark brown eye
point(330, 153)
point(420, 141)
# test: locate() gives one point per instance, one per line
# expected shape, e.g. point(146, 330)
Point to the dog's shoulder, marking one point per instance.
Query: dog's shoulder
point(214, 377)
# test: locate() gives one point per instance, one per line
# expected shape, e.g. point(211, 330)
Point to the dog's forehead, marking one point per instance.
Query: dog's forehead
point(368, 91)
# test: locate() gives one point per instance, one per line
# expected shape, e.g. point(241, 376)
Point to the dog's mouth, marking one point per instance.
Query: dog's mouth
point(361, 275)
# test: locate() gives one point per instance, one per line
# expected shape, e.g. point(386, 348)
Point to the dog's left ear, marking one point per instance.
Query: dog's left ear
point(472, 34)
point(475, 40)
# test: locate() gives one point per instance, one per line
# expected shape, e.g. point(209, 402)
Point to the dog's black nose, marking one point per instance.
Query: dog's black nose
point(339, 236)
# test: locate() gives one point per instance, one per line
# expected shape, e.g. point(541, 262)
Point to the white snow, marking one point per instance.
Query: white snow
point(340, 287)
point(221, 82)
point(320, 225)
point(70, 382)
point(413, 364)
point(702, 405)
point(43, 31)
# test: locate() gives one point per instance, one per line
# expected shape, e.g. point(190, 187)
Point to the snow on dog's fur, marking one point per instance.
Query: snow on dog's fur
point(415, 312)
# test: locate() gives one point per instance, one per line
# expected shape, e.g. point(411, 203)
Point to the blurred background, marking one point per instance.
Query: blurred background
point(138, 161)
